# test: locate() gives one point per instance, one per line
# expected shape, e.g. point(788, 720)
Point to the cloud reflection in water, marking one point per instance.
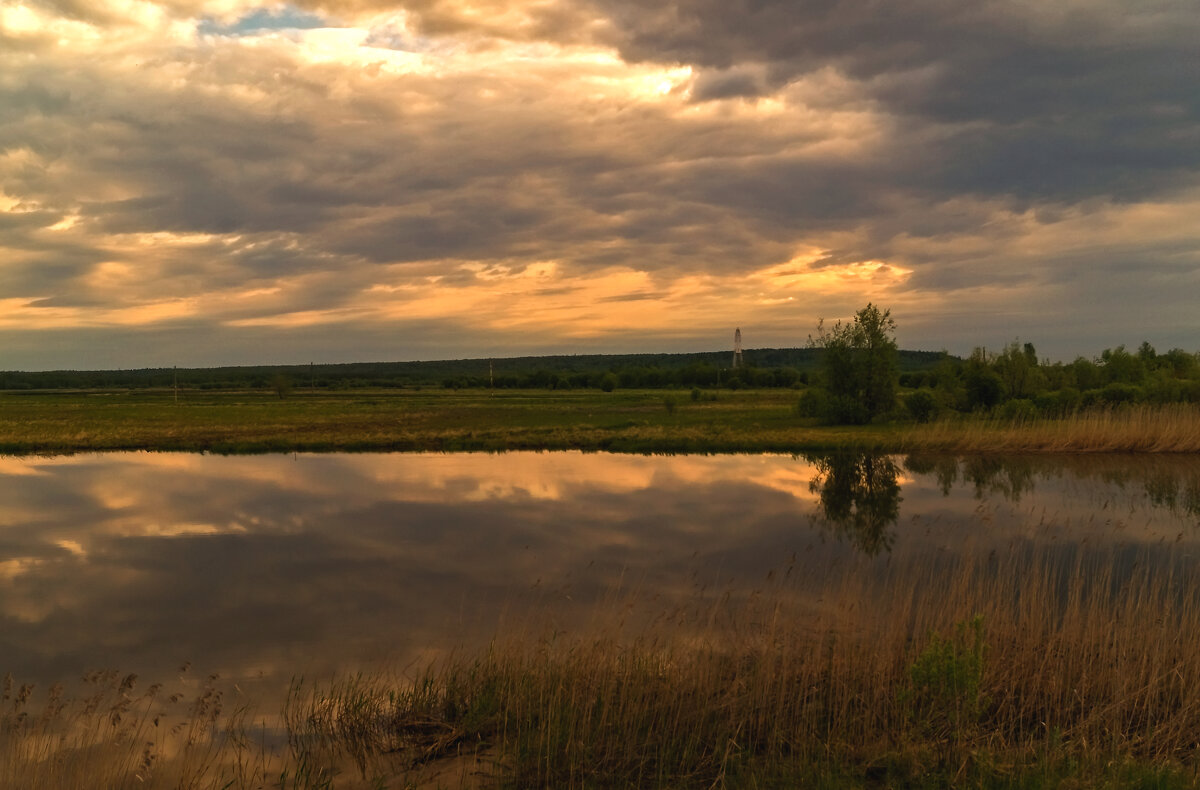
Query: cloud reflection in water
point(269, 566)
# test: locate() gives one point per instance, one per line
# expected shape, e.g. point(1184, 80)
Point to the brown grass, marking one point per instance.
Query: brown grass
point(1089, 656)
point(1086, 659)
point(1143, 429)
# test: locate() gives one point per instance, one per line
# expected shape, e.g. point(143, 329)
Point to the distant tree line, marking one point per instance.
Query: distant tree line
point(860, 380)
point(770, 367)
point(1014, 383)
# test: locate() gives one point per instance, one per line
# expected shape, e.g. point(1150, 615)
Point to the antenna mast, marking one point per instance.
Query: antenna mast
point(737, 348)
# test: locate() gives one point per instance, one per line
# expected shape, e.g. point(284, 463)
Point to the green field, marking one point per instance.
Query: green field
point(412, 420)
point(640, 421)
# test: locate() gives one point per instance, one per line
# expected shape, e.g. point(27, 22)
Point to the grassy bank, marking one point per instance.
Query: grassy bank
point(622, 421)
point(1030, 667)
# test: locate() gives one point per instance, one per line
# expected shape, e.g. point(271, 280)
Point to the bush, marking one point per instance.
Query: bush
point(921, 405)
point(1165, 391)
point(609, 382)
point(983, 387)
point(1058, 404)
point(943, 696)
point(1017, 410)
point(813, 402)
point(1116, 393)
point(281, 385)
point(669, 403)
point(696, 394)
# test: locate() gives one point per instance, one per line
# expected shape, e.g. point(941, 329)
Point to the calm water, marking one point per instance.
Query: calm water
point(261, 568)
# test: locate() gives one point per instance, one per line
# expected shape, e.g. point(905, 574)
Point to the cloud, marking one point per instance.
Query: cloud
point(1041, 102)
point(163, 160)
point(728, 84)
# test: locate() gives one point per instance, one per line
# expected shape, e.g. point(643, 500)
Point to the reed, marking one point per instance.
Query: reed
point(1172, 428)
point(1043, 662)
point(109, 733)
point(1031, 665)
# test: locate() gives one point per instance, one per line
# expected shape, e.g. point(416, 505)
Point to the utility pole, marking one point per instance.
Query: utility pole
point(491, 379)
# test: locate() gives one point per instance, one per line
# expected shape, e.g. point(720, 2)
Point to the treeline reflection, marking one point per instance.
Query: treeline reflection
point(1171, 482)
point(859, 493)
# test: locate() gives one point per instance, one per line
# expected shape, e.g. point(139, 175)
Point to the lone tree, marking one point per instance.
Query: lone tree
point(859, 366)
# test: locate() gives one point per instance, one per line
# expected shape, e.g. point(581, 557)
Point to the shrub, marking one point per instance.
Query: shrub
point(813, 402)
point(1017, 410)
point(921, 405)
point(983, 387)
point(943, 696)
point(1117, 392)
point(1059, 403)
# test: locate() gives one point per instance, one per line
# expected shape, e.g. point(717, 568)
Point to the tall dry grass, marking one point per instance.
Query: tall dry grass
point(1083, 655)
point(109, 733)
point(1035, 657)
point(1172, 428)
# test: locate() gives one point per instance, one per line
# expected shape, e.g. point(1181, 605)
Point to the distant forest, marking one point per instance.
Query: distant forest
point(764, 367)
point(1011, 383)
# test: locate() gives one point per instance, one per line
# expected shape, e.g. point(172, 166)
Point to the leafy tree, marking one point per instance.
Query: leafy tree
point(859, 364)
point(1121, 367)
point(1087, 374)
point(983, 385)
point(281, 385)
point(1180, 363)
point(1018, 370)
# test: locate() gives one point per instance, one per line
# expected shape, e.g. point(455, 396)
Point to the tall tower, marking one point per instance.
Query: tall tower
point(737, 347)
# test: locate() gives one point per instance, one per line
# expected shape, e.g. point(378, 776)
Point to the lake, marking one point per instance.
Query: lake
point(261, 568)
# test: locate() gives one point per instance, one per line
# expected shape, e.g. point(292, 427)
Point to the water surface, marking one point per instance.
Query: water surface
point(264, 567)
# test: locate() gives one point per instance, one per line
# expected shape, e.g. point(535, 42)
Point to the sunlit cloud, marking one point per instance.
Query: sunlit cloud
point(548, 173)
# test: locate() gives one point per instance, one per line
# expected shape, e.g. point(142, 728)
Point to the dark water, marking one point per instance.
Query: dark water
point(262, 568)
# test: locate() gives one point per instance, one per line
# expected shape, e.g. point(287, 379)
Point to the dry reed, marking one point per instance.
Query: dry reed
point(1035, 657)
point(1173, 428)
point(1091, 654)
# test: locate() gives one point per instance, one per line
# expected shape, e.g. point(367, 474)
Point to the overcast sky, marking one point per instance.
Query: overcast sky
point(199, 182)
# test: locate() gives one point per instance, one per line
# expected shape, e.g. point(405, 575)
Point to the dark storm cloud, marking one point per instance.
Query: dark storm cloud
point(728, 84)
point(1037, 101)
point(952, 140)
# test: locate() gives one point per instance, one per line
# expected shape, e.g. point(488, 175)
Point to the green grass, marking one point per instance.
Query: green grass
point(409, 420)
point(640, 421)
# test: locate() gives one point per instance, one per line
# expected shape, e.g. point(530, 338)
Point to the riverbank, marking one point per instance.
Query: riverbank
point(635, 421)
point(1015, 669)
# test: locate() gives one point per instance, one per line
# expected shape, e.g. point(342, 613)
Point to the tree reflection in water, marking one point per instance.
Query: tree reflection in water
point(859, 497)
point(1169, 481)
point(1008, 476)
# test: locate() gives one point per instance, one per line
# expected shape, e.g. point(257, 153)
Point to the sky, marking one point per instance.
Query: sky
point(211, 182)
